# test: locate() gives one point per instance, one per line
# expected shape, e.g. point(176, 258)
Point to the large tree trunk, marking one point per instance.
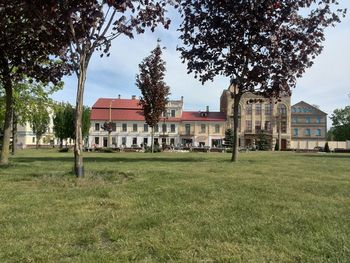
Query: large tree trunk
point(236, 100)
point(4, 158)
point(37, 142)
point(79, 142)
point(14, 133)
point(152, 139)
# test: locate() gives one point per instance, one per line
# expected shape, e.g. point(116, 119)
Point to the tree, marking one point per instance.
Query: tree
point(326, 148)
point(26, 96)
point(63, 122)
point(91, 25)
point(341, 124)
point(24, 50)
point(228, 140)
point(262, 46)
point(263, 143)
point(154, 91)
point(40, 121)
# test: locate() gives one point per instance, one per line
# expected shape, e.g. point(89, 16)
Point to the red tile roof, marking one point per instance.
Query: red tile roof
point(196, 116)
point(130, 110)
point(117, 115)
point(117, 103)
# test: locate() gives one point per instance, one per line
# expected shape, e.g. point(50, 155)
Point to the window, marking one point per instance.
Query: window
point(249, 109)
point(172, 127)
point(124, 127)
point(145, 127)
point(188, 129)
point(164, 127)
point(258, 109)
point(97, 140)
point(114, 126)
point(318, 132)
point(295, 119)
point(124, 141)
point(114, 141)
point(295, 132)
point(282, 109)
point(307, 132)
point(145, 141)
point(173, 112)
point(267, 125)
point(268, 109)
point(318, 119)
point(163, 141)
point(172, 141)
point(257, 126)
point(134, 141)
point(308, 120)
point(134, 127)
point(203, 128)
point(283, 126)
point(156, 128)
point(248, 126)
point(217, 128)
point(97, 126)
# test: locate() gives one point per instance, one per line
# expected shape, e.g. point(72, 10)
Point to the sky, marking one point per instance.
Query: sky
point(326, 83)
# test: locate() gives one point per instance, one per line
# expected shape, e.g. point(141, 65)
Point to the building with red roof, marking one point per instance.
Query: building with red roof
point(176, 127)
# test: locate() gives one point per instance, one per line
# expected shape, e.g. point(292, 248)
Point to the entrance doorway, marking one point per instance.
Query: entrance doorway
point(283, 144)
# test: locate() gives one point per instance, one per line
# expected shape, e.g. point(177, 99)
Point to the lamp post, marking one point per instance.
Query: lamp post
point(166, 116)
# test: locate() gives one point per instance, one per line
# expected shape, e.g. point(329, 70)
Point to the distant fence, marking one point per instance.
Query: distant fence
point(311, 144)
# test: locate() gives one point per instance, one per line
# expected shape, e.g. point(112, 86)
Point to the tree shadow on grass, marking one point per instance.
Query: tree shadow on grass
point(111, 159)
point(332, 156)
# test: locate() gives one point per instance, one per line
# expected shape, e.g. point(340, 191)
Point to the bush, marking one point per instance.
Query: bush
point(63, 150)
point(156, 149)
point(326, 148)
point(106, 150)
point(277, 147)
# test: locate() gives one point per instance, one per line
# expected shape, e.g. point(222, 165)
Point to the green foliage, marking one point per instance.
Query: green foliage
point(228, 140)
point(64, 121)
point(277, 147)
point(263, 143)
point(326, 148)
point(341, 124)
point(40, 120)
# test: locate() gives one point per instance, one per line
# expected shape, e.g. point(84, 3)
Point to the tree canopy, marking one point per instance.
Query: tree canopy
point(261, 46)
point(153, 88)
point(83, 27)
point(341, 124)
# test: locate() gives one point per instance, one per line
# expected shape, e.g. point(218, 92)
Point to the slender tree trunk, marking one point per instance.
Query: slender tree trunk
point(152, 139)
point(37, 142)
point(79, 143)
point(4, 158)
point(14, 133)
point(236, 100)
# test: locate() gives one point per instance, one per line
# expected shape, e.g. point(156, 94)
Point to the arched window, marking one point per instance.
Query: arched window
point(282, 109)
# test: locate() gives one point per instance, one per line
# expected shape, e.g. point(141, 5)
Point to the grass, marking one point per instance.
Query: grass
point(176, 207)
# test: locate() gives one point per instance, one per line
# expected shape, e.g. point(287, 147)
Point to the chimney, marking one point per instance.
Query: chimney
point(119, 96)
point(133, 97)
point(182, 98)
point(207, 109)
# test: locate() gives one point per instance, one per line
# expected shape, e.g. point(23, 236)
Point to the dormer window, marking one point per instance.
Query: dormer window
point(204, 114)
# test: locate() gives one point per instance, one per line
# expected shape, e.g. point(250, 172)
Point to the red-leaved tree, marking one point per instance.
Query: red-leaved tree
point(262, 46)
point(153, 88)
point(89, 26)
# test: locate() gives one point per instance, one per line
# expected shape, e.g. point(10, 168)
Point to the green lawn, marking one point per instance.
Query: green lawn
point(176, 207)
